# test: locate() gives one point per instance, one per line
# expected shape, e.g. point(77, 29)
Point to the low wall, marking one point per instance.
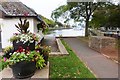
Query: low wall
point(104, 45)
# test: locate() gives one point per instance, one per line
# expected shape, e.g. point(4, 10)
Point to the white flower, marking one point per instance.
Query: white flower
point(10, 53)
point(17, 53)
point(14, 53)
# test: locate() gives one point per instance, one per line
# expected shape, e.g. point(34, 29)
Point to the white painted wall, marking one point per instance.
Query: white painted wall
point(8, 28)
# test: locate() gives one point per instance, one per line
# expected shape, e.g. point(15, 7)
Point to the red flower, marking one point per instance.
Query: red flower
point(20, 49)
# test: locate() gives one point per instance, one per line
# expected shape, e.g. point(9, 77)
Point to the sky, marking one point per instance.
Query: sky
point(44, 7)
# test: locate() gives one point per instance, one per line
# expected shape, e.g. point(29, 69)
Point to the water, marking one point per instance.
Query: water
point(68, 32)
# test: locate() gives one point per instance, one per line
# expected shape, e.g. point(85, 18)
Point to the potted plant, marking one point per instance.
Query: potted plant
point(24, 62)
point(24, 38)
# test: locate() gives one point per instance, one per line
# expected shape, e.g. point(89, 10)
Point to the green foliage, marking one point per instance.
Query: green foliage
point(3, 64)
point(7, 49)
point(23, 26)
point(14, 38)
point(106, 16)
point(49, 22)
point(58, 12)
point(46, 31)
point(23, 56)
point(40, 62)
point(68, 66)
point(45, 50)
point(76, 11)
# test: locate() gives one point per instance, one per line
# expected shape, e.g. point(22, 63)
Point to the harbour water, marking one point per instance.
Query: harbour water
point(68, 32)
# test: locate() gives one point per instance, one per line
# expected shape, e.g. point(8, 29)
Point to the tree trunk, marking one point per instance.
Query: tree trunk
point(86, 27)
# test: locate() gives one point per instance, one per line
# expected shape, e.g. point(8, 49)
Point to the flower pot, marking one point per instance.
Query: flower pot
point(16, 45)
point(23, 69)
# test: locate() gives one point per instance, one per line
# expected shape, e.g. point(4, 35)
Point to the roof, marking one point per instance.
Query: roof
point(15, 8)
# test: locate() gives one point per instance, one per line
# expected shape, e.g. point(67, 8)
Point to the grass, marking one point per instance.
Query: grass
point(68, 66)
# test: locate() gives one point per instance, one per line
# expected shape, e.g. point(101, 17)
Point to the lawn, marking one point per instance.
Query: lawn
point(68, 66)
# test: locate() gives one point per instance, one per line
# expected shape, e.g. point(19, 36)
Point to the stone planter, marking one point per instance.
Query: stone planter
point(23, 69)
point(27, 44)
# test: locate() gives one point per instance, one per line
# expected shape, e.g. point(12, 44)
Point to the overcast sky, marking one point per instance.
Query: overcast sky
point(44, 7)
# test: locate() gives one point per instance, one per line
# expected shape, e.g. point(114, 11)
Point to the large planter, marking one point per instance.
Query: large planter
point(23, 69)
point(16, 45)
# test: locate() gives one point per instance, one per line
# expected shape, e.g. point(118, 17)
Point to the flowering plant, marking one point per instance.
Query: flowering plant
point(24, 34)
point(24, 55)
point(26, 37)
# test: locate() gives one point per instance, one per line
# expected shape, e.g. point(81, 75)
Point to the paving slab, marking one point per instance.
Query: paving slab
point(50, 41)
point(101, 66)
point(57, 48)
point(43, 73)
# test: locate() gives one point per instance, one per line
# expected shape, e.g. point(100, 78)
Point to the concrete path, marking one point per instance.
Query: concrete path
point(100, 65)
point(57, 48)
point(50, 41)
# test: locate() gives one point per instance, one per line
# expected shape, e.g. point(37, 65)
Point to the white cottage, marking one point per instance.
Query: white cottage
point(10, 12)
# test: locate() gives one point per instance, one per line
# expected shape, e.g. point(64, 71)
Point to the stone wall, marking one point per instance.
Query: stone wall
point(104, 45)
point(99, 42)
point(95, 43)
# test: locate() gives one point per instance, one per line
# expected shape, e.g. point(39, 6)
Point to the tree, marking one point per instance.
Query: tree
point(109, 16)
point(58, 12)
point(79, 11)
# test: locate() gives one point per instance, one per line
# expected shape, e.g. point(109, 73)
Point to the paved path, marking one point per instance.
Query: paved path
point(50, 41)
point(100, 65)
point(57, 48)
